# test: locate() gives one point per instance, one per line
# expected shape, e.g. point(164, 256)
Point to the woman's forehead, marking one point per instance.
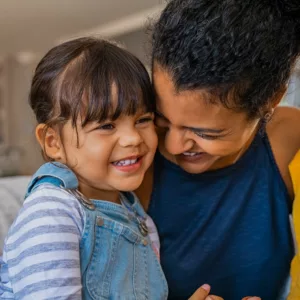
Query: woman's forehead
point(190, 106)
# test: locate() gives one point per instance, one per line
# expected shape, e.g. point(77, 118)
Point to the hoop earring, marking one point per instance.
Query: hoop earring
point(267, 117)
point(265, 120)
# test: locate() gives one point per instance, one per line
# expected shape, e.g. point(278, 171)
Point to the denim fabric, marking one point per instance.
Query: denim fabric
point(117, 261)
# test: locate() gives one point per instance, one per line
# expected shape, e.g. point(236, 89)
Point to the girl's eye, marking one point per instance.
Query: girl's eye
point(106, 127)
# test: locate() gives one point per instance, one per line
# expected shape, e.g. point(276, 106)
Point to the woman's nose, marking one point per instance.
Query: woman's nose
point(176, 142)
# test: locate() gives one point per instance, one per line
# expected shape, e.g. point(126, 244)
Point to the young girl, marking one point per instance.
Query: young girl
point(94, 105)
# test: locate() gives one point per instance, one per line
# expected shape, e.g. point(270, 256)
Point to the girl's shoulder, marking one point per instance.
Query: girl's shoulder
point(50, 197)
point(47, 210)
point(43, 243)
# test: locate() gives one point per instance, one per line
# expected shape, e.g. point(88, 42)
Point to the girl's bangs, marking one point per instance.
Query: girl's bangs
point(106, 86)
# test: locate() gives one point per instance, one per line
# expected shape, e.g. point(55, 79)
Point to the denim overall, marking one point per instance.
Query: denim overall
point(117, 261)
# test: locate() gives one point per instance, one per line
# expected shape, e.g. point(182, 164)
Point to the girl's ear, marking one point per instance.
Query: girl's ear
point(50, 141)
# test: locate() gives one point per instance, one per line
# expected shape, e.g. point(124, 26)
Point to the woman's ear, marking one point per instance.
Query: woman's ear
point(268, 110)
point(50, 141)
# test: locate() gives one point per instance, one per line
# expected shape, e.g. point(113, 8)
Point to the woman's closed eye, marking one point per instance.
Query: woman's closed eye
point(145, 119)
point(208, 136)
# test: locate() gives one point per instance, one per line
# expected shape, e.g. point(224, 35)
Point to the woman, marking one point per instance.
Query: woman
point(221, 186)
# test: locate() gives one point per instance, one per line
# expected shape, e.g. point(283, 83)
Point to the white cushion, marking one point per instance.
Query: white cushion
point(12, 191)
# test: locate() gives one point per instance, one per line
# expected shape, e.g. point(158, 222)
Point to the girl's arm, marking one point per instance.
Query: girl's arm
point(41, 251)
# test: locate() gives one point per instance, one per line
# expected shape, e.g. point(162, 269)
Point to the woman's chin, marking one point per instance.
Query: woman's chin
point(195, 166)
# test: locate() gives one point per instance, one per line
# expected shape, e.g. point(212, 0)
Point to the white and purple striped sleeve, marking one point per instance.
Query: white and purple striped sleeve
point(41, 250)
point(153, 235)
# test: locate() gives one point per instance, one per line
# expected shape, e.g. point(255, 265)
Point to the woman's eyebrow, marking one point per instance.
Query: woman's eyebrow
point(195, 129)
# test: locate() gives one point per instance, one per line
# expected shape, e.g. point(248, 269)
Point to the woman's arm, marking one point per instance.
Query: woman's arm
point(145, 189)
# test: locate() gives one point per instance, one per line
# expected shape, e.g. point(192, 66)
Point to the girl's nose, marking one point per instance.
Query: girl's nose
point(130, 138)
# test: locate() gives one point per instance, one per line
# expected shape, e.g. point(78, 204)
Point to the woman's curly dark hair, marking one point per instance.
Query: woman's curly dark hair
point(241, 52)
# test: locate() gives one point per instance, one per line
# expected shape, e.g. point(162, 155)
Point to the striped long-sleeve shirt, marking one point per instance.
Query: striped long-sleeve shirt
point(41, 252)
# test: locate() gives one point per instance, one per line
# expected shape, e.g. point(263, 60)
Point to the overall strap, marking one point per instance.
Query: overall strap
point(53, 173)
point(88, 238)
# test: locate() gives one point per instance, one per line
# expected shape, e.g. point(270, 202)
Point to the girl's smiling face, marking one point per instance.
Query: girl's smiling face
point(111, 156)
point(94, 105)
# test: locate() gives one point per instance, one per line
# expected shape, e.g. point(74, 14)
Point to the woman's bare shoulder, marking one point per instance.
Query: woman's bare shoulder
point(284, 135)
point(285, 128)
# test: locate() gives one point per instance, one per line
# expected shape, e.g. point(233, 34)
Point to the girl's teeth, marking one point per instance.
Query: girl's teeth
point(190, 153)
point(126, 162)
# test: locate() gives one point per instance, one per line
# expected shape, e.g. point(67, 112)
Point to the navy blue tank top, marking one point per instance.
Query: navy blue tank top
point(229, 228)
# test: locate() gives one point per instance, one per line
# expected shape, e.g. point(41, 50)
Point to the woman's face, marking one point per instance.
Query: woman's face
point(195, 134)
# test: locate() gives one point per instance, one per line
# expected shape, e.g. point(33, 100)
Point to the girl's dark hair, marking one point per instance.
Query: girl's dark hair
point(89, 78)
point(241, 52)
